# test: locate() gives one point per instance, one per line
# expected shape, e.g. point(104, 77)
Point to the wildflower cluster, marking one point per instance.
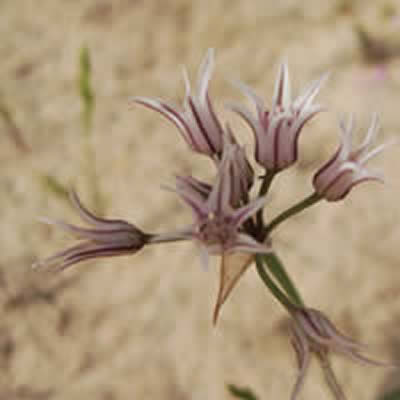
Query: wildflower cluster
point(228, 218)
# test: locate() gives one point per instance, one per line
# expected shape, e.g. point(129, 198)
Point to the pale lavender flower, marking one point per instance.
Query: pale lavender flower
point(277, 130)
point(104, 238)
point(197, 120)
point(347, 168)
point(313, 332)
point(218, 226)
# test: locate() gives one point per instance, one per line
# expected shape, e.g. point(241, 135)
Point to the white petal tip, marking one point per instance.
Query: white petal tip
point(36, 265)
point(46, 220)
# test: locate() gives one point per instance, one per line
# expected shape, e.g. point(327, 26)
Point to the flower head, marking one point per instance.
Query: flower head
point(104, 238)
point(313, 332)
point(277, 130)
point(218, 225)
point(347, 168)
point(197, 120)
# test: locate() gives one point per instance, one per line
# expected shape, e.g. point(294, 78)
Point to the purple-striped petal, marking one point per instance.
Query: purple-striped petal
point(276, 131)
point(346, 169)
point(282, 95)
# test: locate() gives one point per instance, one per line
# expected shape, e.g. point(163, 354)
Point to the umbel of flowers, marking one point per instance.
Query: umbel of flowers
point(227, 219)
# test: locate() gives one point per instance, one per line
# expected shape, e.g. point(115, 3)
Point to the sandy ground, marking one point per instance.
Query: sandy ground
point(140, 327)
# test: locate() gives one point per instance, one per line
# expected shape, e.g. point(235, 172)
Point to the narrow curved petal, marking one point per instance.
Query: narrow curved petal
point(305, 100)
point(172, 114)
point(282, 95)
point(251, 94)
point(89, 217)
point(245, 212)
point(371, 134)
point(331, 379)
point(205, 73)
point(219, 198)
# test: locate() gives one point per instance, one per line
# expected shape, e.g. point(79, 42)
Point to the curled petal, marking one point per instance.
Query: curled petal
point(87, 216)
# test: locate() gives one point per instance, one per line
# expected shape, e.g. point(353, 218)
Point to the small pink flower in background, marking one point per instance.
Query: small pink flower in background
point(105, 238)
point(277, 130)
point(197, 120)
point(347, 167)
point(313, 332)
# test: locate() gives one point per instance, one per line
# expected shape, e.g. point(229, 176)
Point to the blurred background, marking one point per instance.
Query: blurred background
point(140, 327)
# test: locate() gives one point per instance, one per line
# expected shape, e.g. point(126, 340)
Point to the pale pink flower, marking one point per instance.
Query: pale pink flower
point(196, 120)
point(218, 225)
point(276, 130)
point(313, 332)
point(104, 238)
point(347, 168)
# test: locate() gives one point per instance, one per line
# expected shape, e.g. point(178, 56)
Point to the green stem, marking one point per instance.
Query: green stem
point(274, 289)
point(298, 207)
point(266, 183)
point(278, 271)
point(91, 174)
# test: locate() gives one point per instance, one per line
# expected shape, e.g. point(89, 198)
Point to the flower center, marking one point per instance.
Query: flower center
point(216, 230)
